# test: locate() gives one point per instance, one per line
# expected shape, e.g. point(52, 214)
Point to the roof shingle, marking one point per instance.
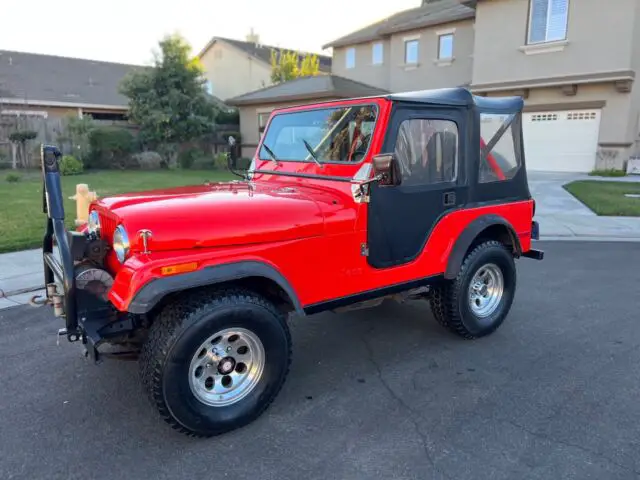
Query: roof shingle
point(427, 15)
point(319, 86)
point(49, 78)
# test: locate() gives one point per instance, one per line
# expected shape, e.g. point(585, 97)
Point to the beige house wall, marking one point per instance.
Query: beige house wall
point(634, 116)
point(232, 72)
point(431, 73)
point(364, 70)
point(600, 39)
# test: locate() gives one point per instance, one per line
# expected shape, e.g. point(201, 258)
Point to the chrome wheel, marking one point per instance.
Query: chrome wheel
point(485, 290)
point(226, 367)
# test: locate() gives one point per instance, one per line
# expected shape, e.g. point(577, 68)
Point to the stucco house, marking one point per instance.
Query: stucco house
point(574, 62)
point(235, 67)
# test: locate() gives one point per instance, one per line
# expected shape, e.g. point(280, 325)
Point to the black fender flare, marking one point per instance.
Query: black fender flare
point(469, 234)
point(152, 292)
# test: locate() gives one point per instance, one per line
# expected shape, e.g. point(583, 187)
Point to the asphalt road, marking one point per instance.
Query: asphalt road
point(383, 393)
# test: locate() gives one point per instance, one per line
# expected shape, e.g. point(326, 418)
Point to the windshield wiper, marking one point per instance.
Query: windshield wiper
point(271, 154)
point(312, 153)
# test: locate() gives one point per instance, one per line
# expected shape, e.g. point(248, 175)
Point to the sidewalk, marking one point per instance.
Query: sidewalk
point(564, 217)
point(21, 277)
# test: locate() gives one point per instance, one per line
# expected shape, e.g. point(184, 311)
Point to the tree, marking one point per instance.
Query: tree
point(286, 65)
point(169, 101)
point(310, 65)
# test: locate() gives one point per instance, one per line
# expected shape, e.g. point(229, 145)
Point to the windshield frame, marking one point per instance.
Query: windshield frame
point(338, 105)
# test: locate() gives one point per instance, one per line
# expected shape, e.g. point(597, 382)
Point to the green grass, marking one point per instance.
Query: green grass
point(610, 172)
point(607, 198)
point(22, 222)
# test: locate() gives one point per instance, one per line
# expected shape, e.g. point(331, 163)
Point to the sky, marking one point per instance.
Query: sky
point(127, 31)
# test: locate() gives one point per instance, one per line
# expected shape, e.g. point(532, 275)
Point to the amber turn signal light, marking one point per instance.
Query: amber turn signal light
point(179, 268)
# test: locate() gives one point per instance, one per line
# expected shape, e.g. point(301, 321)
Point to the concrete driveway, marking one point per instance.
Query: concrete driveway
point(383, 393)
point(562, 216)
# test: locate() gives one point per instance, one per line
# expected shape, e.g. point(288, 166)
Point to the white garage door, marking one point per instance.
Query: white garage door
point(564, 141)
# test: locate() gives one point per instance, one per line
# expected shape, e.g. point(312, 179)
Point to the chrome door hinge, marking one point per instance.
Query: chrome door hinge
point(364, 249)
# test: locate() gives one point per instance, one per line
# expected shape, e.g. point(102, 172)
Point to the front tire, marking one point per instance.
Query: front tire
point(215, 360)
point(478, 300)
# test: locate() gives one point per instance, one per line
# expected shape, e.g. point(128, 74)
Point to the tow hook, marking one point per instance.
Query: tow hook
point(38, 301)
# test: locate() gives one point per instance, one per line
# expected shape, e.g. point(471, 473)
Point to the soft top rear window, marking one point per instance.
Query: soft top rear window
point(335, 134)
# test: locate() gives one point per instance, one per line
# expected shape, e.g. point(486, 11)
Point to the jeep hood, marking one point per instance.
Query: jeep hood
point(219, 214)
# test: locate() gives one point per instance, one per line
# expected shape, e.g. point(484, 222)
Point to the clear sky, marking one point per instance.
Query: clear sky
point(127, 30)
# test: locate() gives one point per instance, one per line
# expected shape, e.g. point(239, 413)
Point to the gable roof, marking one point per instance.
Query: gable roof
point(263, 52)
point(34, 78)
point(305, 88)
point(430, 14)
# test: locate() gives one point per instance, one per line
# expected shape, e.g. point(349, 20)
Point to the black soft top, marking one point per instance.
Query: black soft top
point(460, 96)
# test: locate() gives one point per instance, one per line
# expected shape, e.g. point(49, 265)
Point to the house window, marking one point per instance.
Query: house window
point(548, 20)
point(377, 54)
point(427, 151)
point(445, 46)
point(411, 52)
point(263, 118)
point(350, 59)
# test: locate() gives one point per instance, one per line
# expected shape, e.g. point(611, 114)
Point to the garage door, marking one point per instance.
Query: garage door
point(564, 141)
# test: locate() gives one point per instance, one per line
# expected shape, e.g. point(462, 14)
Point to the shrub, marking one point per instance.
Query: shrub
point(608, 172)
point(111, 147)
point(220, 161)
point(187, 157)
point(228, 117)
point(148, 160)
point(70, 165)
point(13, 177)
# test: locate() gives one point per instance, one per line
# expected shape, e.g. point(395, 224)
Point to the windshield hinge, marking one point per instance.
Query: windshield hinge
point(364, 249)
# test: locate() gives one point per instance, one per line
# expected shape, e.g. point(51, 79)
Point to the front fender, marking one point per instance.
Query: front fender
point(136, 291)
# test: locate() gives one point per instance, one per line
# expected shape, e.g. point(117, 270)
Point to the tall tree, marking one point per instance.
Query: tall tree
point(169, 101)
point(310, 65)
point(286, 65)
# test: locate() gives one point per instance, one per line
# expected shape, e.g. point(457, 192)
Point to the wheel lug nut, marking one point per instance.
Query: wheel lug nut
point(228, 349)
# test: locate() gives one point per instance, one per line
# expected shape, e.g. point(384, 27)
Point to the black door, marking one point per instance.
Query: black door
point(427, 143)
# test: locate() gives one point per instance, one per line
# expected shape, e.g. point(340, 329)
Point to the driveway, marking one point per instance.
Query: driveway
point(564, 217)
point(383, 393)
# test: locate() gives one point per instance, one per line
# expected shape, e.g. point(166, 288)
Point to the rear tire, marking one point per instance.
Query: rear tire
point(478, 300)
point(215, 360)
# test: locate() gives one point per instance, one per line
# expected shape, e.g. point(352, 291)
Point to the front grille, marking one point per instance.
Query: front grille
point(107, 227)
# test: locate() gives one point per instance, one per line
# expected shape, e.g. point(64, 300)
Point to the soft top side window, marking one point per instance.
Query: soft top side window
point(499, 160)
point(427, 150)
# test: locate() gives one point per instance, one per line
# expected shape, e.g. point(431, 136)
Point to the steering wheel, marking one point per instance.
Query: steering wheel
point(361, 151)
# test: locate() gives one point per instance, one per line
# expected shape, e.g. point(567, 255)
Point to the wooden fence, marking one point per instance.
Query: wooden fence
point(51, 130)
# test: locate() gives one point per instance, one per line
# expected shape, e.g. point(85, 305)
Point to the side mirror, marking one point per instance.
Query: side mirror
point(387, 170)
point(232, 157)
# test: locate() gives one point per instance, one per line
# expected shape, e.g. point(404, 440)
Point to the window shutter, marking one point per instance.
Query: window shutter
point(538, 27)
point(557, 28)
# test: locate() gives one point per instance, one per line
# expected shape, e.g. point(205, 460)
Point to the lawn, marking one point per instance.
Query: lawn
point(607, 198)
point(22, 222)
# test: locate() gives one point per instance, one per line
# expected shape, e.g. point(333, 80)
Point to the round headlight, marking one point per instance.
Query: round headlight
point(94, 222)
point(121, 243)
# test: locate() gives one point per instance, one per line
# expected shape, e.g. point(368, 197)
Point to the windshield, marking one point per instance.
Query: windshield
point(340, 134)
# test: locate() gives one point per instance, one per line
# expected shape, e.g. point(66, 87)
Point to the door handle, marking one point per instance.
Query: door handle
point(449, 199)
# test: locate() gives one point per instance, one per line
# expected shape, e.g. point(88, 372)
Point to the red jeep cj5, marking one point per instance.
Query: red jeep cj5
point(418, 195)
